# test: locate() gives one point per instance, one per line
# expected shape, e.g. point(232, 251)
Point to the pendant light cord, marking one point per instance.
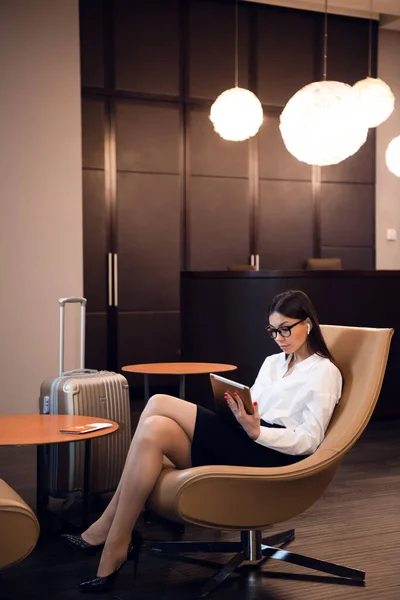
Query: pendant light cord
point(325, 40)
point(236, 44)
point(370, 40)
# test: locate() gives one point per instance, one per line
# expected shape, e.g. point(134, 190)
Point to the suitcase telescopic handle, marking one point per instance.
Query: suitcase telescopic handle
point(62, 302)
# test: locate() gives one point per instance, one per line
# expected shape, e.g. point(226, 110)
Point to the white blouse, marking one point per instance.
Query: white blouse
point(303, 402)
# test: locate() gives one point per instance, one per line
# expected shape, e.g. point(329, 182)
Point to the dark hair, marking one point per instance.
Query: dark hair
point(297, 305)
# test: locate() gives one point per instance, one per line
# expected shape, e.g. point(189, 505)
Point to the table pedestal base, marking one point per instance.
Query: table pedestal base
point(42, 489)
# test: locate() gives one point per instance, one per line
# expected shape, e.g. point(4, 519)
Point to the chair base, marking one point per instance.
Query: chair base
point(255, 549)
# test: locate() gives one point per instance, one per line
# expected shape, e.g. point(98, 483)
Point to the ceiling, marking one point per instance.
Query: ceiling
point(386, 11)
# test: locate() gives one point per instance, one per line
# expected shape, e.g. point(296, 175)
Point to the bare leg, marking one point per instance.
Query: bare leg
point(158, 436)
point(180, 411)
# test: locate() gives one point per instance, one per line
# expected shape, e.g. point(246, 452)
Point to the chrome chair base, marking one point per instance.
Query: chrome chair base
point(255, 549)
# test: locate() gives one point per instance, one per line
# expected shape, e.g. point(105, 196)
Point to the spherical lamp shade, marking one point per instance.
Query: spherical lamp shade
point(375, 100)
point(393, 156)
point(320, 124)
point(236, 114)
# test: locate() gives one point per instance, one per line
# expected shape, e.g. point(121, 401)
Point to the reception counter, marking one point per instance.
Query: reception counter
point(223, 315)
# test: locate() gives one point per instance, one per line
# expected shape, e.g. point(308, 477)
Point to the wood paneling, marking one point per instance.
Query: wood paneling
point(285, 224)
point(96, 345)
point(137, 333)
point(210, 154)
point(184, 197)
point(347, 214)
point(91, 15)
point(352, 258)
point(95, 238)
point(219, 223)
point(147, 46)
point(275, 162)
point(286, 51)
point(93, 132)
point(148, 241)
point(148, 137)
point(212, 48)
point(348, 48)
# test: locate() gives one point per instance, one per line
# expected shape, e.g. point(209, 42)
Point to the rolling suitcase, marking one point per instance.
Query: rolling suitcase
point(86, 392)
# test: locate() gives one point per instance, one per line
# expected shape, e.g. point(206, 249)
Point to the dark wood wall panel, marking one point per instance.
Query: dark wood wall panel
point(219, 223)
point(149, 337)
point(352, 258)
point(148, 241)
point(286, 51)
point(147, 46)
point(93, 130)
point(210, 154)
point(285, 224)
point(148, 137)
point(95, 239)
point(359, 168)
point(164, 192)
point(275, 162)
point(96, 341)
point(91, 15)
point(211, 48)
point(347, 214)
point(348, 48)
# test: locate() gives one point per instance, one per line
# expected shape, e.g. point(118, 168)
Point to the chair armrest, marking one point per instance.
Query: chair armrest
point(19, 527)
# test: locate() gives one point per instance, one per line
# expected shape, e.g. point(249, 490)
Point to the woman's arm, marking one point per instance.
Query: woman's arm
point(308, 435)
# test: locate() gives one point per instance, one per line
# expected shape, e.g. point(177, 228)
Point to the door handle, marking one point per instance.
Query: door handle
point(115, 279)
point(110, 273)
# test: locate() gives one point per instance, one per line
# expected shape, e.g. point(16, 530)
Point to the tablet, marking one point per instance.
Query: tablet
point(220, 385)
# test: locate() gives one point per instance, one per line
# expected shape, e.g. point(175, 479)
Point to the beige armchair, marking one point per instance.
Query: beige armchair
point(248, 499)
point(19, 527)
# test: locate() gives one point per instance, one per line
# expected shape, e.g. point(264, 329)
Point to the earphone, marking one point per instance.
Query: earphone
point(308, 328)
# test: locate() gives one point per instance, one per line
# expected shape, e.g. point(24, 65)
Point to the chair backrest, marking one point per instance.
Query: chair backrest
point(323, 264)
point(361, 354)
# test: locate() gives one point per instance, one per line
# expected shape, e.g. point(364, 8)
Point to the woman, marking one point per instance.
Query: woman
point(294, 396)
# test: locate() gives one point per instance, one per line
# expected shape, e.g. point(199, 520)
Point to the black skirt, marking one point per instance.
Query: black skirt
point(217, 442)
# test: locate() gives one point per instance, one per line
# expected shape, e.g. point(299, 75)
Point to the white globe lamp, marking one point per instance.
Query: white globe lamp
point(375, 100)
point(236, 114)
point(393, 156)
point(321, 124)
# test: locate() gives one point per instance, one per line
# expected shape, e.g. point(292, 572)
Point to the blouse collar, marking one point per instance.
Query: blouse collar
point(304, 364)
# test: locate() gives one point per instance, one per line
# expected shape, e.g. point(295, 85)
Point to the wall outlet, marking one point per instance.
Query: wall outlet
point(391, 235)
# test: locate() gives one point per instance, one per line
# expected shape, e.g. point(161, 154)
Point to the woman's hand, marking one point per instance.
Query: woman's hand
point(250, 423)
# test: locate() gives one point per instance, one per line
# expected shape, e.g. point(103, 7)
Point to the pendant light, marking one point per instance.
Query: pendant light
point(320, 124)
point(237, 113)
point(393, 156)
point(375, 98)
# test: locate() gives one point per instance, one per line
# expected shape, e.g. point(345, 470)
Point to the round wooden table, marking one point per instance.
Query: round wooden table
point(41, 430)
point(176, 368)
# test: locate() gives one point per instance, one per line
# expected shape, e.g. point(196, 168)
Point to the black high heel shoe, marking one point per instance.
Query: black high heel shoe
point(79, 544)
point(106, 584)
point(101, 584)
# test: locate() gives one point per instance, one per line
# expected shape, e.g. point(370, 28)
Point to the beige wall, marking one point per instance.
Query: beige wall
point(40, 191)
point(387, 184)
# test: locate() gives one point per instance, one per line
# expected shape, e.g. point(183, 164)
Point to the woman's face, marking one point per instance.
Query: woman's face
point(298, 333)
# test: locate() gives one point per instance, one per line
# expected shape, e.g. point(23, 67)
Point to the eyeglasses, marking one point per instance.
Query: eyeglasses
point(285, 331)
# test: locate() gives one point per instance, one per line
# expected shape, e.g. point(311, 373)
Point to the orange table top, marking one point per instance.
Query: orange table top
point(16, 430)
point(178, 368)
